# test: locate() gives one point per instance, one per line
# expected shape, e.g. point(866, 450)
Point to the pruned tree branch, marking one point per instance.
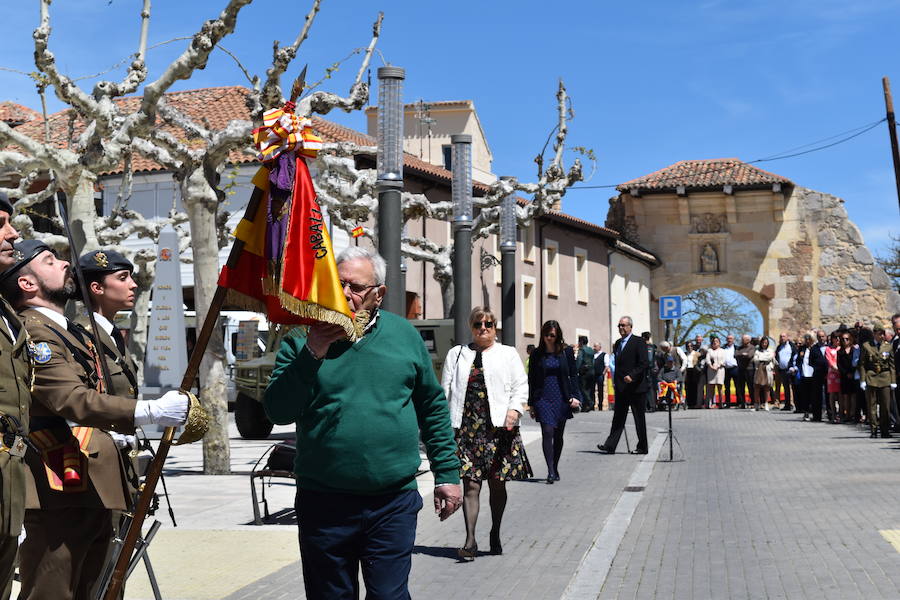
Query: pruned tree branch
point(271, 95)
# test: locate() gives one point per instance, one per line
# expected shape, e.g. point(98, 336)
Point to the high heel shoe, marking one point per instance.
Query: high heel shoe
point(496, 547)
point(467, 554)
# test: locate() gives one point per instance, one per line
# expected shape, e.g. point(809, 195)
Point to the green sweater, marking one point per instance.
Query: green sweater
point(360, 410)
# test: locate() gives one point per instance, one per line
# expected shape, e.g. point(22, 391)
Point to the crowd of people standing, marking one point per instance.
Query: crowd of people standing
point(846, 376)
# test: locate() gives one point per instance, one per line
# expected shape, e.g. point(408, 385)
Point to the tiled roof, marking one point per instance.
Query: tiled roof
point(332, 132)
point(16, 114)
point(213, 107)
point(561, 217)
point(704, 175)
point(217, 106)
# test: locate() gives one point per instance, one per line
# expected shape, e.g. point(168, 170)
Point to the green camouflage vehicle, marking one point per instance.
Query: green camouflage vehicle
point(250, 380)
point(252, 376)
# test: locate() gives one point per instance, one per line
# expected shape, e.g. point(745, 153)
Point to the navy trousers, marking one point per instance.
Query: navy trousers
point(341, 532)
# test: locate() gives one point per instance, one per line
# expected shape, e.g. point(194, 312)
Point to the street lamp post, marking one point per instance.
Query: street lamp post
point(461, 166)
point(508, 267)
point(390, 182)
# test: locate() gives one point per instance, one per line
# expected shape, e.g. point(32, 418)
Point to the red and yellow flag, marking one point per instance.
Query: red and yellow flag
point(287, 267)
point(309, 285)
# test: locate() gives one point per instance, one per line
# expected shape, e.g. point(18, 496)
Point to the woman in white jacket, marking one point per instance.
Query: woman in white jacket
point(486, 387)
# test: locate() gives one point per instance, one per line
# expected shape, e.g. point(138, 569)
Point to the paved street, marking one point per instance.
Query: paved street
point(762, 506)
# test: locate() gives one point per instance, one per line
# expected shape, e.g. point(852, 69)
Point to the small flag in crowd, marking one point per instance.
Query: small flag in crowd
point(357, 231)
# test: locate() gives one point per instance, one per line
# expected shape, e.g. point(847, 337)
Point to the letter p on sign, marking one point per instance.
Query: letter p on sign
point(669, 307)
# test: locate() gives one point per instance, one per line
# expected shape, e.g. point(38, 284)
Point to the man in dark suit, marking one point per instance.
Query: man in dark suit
point(630, 385)
point(601, 368)
point(584, 363)
point(812, 366)
point(895, 348)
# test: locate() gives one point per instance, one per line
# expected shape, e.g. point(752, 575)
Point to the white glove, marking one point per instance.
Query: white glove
point(862, 385)
point(123, 441)
point(893, 386)
point(169, 410)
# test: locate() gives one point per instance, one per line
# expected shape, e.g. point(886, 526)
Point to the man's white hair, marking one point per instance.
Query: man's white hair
point(379, 266)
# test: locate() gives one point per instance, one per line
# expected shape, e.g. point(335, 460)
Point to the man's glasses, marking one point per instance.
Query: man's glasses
point(623, 325)
point(356, 288)
point(485, 324)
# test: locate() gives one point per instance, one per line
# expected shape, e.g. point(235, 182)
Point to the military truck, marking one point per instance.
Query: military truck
point(250, 380)
point(252, 376)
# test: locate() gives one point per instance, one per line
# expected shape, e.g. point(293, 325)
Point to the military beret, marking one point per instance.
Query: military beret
point(104, 261)
point(24, 252)
point(879, 327)
point(5, 204)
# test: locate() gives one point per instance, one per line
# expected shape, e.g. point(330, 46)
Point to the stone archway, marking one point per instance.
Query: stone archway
point(790, 250)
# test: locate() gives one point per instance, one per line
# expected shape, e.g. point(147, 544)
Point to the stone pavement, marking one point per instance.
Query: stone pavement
point(762, 506)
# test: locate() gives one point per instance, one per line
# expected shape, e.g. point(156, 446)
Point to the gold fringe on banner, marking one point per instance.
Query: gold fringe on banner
point(310, 310)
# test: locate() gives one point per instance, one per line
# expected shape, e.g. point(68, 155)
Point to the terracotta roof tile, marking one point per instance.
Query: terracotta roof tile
point(217, 106)
point(704, 175)
point(16, 114)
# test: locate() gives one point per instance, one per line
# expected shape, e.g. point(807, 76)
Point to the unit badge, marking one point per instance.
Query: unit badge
point(42, 353)
point(101, 260)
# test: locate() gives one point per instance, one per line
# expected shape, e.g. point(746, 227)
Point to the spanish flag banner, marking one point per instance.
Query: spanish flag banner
point(245, 278)
point(287, 266)
point(309, 285)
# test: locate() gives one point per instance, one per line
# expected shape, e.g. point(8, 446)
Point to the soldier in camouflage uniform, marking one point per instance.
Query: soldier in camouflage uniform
point(16, 371)
point(877, 379)
point(75, 479)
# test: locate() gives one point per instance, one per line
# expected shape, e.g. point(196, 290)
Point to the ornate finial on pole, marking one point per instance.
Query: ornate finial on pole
point(298, 86)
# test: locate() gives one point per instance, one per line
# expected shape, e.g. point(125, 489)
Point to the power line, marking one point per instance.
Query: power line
point(855, 132)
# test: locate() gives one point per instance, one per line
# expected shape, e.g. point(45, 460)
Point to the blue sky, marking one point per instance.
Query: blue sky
point(652, 82)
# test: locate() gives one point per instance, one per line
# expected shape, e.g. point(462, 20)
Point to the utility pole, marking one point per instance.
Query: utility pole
point(892, 130)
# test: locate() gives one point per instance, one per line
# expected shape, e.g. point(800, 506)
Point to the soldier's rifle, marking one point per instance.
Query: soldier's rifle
point(154, 470)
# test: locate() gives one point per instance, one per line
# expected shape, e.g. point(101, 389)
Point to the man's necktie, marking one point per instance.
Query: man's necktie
point(116, 335)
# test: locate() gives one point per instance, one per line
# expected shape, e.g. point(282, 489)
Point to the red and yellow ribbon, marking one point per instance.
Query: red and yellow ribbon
point(283, 131)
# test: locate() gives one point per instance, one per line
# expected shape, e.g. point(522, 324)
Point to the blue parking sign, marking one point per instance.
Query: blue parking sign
point(669, 307)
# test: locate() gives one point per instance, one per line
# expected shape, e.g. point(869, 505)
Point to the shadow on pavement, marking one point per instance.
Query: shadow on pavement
point(286, 516)
point(439, 552)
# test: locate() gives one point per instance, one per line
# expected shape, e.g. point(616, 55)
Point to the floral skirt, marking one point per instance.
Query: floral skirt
point(485, 451)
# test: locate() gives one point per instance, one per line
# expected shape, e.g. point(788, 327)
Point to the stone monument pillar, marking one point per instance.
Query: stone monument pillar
point(166, 356)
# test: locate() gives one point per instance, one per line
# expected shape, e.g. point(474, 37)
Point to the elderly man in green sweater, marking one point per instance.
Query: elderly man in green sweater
point(359, 409)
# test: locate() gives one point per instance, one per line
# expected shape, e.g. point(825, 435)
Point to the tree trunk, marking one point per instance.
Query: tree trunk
point(201, 204)
point(447, 297)
point(83, 214)
point(140, 316)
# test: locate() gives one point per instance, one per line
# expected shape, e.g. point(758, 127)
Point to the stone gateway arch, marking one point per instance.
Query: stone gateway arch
point(790, 250)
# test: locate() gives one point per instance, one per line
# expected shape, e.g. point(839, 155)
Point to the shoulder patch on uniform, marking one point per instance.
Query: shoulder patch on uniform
point(42, 353)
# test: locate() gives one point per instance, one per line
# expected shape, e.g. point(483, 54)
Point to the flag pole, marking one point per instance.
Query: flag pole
point(154, 470)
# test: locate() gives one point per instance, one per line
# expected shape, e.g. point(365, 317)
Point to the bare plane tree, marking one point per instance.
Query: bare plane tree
point(197, 163)
point(107, 139)
point(350, 196)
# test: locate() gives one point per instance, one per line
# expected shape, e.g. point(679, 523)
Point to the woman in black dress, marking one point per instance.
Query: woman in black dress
point(553, 392)
point(847, 371)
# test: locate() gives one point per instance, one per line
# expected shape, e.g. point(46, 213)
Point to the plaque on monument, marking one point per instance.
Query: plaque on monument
point(166, 356)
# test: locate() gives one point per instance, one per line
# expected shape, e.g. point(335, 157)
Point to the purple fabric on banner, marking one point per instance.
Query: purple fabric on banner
point(281, 178)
